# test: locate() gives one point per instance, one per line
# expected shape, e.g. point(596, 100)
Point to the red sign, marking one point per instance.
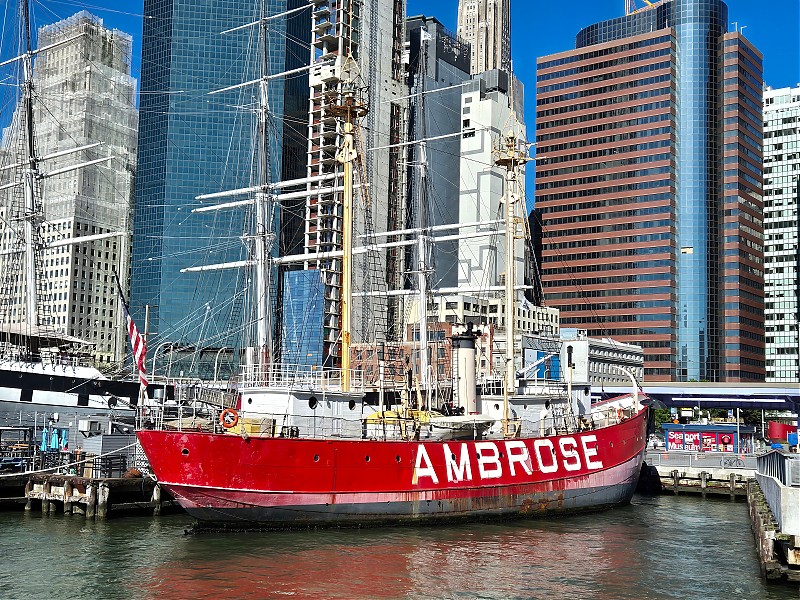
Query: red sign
point(726, 442)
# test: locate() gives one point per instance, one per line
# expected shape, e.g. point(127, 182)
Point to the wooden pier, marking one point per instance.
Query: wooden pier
point(689, 480)
point(97, 498)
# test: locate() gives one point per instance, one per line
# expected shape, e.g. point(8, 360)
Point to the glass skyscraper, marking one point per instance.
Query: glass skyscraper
point(193, 142)
point(649, 184)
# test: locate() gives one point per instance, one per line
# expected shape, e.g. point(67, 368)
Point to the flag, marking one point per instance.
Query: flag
point(138, 343)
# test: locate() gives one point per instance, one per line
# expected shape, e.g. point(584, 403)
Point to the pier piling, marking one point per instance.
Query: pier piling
point(102, 500)
point(155, 499)
point(45, 493)
point(28, 488)
point(93, 497)
point(68, 497)
point(91, 501)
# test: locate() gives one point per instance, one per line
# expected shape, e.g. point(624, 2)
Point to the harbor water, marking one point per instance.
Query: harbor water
point(658, 547)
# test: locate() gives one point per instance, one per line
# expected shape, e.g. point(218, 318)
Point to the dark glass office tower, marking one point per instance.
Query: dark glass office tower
point(649, 183)
point(192, 142)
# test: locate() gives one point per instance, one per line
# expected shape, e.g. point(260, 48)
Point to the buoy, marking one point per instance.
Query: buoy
point(228, 418)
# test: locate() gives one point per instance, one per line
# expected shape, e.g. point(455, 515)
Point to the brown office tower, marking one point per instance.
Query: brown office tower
point(648, 179)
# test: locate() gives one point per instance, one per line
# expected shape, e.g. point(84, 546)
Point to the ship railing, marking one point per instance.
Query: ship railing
point(13, 353)
point(296, 376)
point(360, 426)
point(609, 416)
point(187, 393)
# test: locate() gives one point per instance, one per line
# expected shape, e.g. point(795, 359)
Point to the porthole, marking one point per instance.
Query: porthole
point(185, 452)
point(497, 407)
point(312, 402)
point(397, 458)
point(366, 458)
point(351, 404)
point(249, 400)
point(316, 458)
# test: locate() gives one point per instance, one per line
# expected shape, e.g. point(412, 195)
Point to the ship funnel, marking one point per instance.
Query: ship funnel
point(464, 370)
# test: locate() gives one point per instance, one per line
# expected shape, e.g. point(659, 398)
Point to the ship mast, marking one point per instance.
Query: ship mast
point(511, 156)
point(263, 197)
point(263, 226)
point(423, 269)
point(30, 174)
point(349, 108)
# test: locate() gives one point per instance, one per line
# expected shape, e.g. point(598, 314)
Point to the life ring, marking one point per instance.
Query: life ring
point(620, 414)
point(228, 418)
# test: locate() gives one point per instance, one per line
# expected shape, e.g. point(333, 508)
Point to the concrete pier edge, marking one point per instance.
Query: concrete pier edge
point(765, 532)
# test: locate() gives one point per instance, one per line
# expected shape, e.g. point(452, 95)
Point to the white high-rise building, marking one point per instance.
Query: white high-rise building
point(781, 256)
point(486, 26)
point(487, 112)
point(84, 94)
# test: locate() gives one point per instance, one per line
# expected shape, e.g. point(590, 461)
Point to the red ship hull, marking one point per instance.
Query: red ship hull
point(270, 482)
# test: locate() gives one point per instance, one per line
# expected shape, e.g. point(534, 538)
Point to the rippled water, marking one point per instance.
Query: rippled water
point(661, 547)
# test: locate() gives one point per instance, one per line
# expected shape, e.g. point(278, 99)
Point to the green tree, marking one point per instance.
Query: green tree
point(662, 416)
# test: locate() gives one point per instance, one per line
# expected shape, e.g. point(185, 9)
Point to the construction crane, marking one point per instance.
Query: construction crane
point(630, 6)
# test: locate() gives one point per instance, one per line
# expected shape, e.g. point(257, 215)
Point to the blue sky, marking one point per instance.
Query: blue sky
point(539, 27)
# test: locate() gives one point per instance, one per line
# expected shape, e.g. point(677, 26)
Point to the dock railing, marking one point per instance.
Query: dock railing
point(701, 460)
point(778, 475)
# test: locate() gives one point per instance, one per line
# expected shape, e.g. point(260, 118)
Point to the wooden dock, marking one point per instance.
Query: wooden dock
point(97, 498)
point(692, 480)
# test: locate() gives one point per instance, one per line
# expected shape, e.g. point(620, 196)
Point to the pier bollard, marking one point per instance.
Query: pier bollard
point(91, 500)
point(103, 493)
point(703, 482)
point(156, 500)
point(675, 479)
point(28, 488)
point(68, 497)
point(46, 487)
point(733, 485)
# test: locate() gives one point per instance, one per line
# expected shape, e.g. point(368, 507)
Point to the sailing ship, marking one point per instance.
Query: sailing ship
point(303, 446)
point(43, 368)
